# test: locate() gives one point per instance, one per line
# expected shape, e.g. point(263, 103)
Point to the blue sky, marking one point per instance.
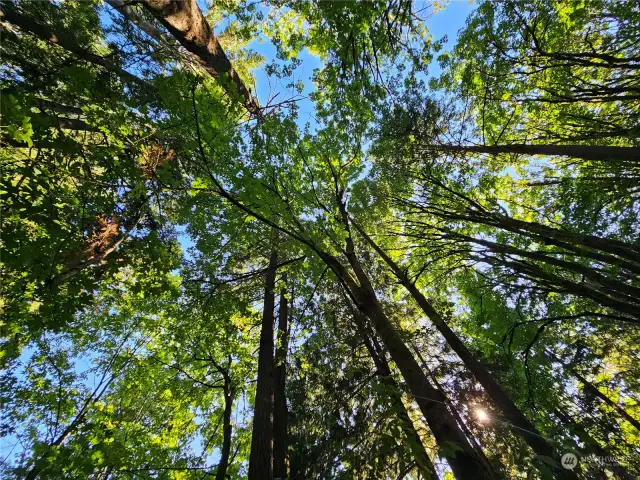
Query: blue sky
point(445, 22)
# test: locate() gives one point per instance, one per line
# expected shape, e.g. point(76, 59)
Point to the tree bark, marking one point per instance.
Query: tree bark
point(280, 399)
point(502, 400)
point(464, 462)
point(384, 371)
point(227, 429)
point(586, 152)
point(185, 21)
point(261, 455)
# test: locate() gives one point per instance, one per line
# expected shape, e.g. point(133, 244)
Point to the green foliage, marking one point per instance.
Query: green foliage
point(140, 200)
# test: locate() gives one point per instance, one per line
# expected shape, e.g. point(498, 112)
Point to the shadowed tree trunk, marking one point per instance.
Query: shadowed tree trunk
point(464, 462)
point(227, 429)
point(454, 446)
point(593, 390)
point(604, 250)
point(472, 438)
point(280, 399)
point(261, 455)
point(384, 371)
point(509, 409)
point(591, 445)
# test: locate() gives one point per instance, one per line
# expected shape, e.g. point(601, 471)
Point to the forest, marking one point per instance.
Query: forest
point(320, 239)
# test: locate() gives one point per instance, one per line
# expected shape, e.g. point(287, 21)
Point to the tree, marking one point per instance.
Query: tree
point(454, 260)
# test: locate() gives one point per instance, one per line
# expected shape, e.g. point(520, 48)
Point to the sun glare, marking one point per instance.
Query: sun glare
point(482, 415)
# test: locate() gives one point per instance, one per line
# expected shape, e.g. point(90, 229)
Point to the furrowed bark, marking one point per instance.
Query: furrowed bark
point(502, 400)
point(280, 399)
point(261, 455)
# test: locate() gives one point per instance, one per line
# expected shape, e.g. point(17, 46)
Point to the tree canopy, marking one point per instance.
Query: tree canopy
point(310, 240)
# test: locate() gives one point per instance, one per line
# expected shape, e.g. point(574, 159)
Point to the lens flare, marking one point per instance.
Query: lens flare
point(482, 415)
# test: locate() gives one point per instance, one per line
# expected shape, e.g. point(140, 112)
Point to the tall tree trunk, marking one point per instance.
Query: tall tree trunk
point(221, 471)
point(624, 290)
point(623, 254)
point(187, 24)
point(464, 462)
point(580, 243)
point(586, 152)
point(472, 438)
point(413, 438)
point(552, 282)
point(261, 455)
point(280, 399)
point(509, 409)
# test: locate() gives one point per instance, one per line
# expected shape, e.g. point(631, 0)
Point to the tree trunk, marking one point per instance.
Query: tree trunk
point(280, 399)
point(586, 152)
point(581, 245)
point(221, 471)
point(568, 239)
point(618, 253)
point(625, 291)
point(472, 438)
point(187, 24)
point(464, 462)
point(413, 438)
point(128, 12)
point(509, 409)
point(261, 455)
point(553, 282)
